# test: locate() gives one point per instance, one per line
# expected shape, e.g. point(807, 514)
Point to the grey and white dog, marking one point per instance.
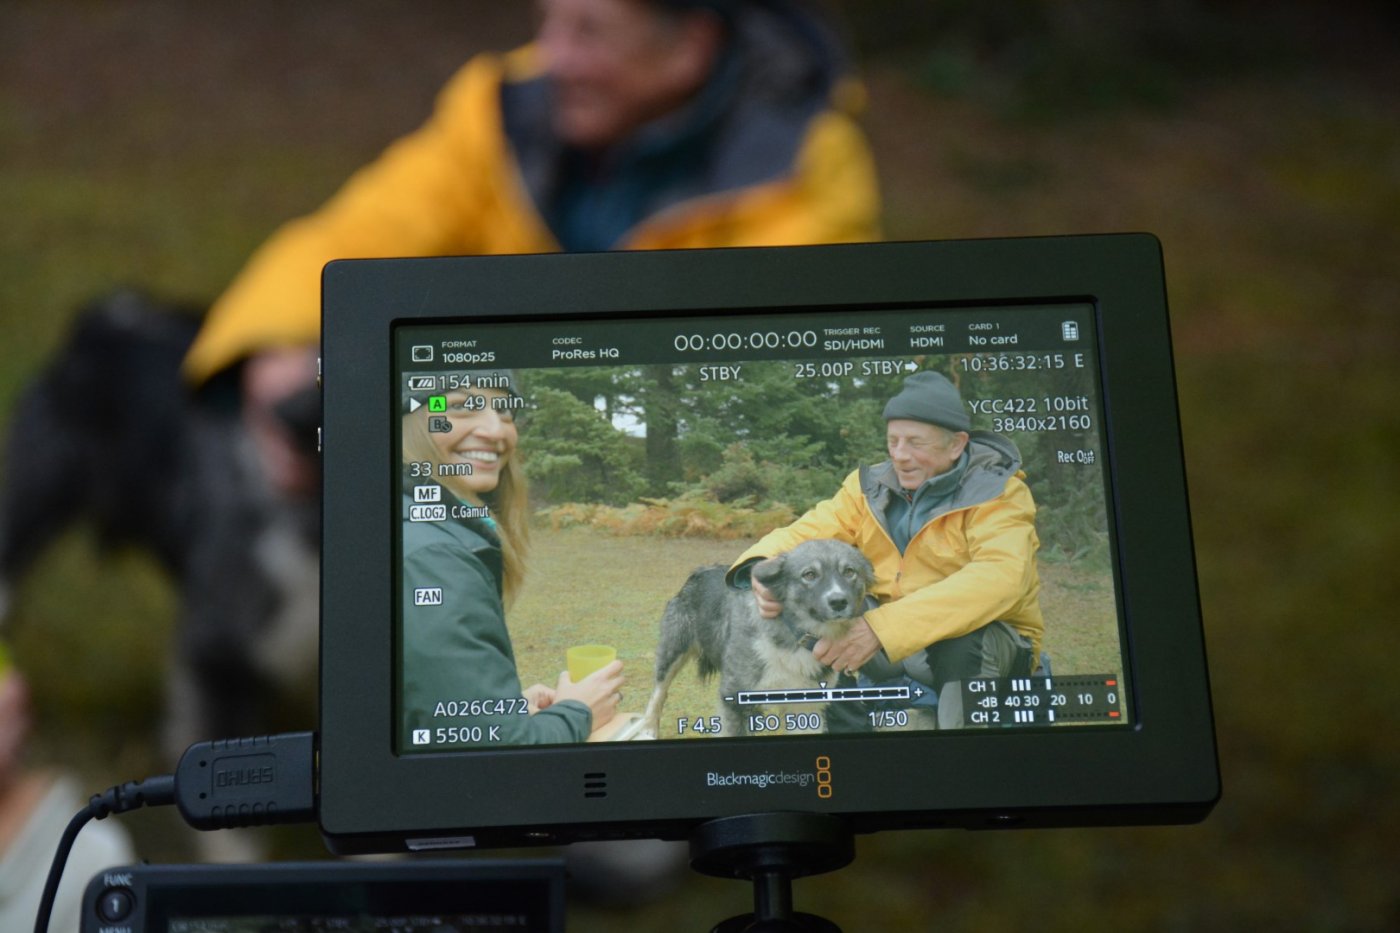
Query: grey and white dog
point(822, 586)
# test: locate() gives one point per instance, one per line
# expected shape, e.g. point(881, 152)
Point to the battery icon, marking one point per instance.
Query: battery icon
point(422, 383)
point(1070, 330)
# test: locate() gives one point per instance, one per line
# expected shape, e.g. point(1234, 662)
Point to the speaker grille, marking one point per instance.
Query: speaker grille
point(595, 784)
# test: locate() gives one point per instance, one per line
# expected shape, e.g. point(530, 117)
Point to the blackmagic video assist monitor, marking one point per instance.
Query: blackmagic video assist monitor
point(556, 488)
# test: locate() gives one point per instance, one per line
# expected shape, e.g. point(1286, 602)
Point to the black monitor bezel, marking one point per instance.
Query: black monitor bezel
point(1162, 768)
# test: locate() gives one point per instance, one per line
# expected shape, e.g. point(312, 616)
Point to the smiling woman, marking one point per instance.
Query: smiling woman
point(478, 443)
point(461, 435)
point(464, 542)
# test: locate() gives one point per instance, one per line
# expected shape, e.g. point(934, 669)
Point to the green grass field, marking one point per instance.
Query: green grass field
point(588, 586)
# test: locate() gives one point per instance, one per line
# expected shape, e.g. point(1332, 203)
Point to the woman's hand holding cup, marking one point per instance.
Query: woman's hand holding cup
point(600, 690)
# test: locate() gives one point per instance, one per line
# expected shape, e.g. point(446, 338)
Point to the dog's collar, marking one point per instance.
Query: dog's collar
point(804, 639)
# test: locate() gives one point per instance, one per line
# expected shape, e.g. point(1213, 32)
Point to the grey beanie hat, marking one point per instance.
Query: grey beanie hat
point(930, 397)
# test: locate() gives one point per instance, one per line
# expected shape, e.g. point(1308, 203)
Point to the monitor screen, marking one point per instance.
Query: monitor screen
point(616, 544)
point(630, 433)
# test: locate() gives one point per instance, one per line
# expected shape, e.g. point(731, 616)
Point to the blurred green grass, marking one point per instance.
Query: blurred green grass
point(154, 142)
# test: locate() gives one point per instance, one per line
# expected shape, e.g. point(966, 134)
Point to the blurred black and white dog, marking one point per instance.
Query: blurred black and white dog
point(822, 586)
point(108, 433)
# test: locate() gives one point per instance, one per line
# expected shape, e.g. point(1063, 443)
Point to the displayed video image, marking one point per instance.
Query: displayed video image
point(680, 528)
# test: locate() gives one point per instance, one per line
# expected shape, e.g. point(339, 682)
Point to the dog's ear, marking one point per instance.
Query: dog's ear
point(855, 561)
point(866, 570)
point(770, 573)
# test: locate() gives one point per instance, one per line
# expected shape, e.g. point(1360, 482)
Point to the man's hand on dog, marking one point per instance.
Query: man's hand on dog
point(271, 377)
point(601, 691)
point(848, 654)
point(768, 606)
point(845, 655)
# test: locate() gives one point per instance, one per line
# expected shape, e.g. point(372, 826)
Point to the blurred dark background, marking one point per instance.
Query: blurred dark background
point(156, 143)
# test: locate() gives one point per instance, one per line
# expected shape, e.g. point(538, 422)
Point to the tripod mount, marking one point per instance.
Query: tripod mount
point(771, 849)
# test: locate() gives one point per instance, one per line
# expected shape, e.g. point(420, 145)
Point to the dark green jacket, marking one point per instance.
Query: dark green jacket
point(459, 679)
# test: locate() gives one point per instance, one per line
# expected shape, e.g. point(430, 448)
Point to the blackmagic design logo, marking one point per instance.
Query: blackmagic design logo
point(762, 780)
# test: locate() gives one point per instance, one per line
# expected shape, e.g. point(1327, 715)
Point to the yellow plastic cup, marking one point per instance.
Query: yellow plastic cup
point(585, 659)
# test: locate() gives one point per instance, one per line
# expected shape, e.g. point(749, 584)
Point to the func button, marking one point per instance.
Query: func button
point(115, 905)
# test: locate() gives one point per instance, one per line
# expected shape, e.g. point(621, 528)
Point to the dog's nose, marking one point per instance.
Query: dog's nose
point(838, 603)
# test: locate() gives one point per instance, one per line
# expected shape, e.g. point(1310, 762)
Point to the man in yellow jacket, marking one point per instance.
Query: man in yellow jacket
point(627, 124)
point(949, 525)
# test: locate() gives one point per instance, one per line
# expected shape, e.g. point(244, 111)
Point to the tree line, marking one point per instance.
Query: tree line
point(618, 435)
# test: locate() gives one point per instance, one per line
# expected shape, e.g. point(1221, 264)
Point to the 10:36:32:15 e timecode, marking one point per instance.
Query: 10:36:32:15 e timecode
point(1019, 362)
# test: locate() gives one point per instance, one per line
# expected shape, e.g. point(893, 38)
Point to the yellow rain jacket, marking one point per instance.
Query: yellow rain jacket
point(970, 563)
point(775, 169)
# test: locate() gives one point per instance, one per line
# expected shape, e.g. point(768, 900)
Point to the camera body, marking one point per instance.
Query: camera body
point(524, 896)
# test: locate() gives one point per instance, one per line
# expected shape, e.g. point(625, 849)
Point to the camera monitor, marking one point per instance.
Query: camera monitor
point(617, 544)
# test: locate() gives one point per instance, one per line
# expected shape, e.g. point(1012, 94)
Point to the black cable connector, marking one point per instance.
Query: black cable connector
point(217, 785)
point(248, 782)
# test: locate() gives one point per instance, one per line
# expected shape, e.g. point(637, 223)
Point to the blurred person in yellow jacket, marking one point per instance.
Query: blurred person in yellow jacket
point(949, 524)
point(626, 124)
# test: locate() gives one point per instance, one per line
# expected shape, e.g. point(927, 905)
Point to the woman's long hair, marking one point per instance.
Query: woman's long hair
point(508, 502)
